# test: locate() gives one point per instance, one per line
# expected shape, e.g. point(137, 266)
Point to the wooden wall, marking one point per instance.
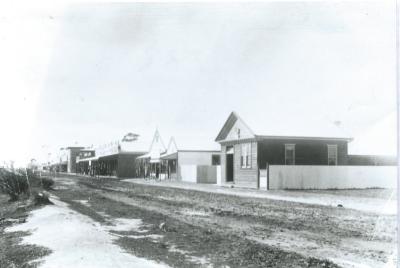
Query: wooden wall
point(126, 165)
point(242, 177)
point(245, 177)
point(307, 152)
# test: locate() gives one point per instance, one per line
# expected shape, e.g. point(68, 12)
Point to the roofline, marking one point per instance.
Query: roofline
point(131, 152)
point(261, 137)
point(225, 124)
point(93, 158)
point(199, 151)
point(169, 155)
point(122, 153)
point(190, 151)
point(225, 142)
point(374, 155)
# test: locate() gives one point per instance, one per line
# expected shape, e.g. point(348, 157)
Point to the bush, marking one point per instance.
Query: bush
point(13, 183)
point(42, 198)
point(47, 183)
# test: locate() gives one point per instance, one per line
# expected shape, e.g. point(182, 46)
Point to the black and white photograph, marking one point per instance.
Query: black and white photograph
point(199, 134)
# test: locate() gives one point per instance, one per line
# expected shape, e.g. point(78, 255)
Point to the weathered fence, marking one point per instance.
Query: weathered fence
point(328, 177)
point(199, 173)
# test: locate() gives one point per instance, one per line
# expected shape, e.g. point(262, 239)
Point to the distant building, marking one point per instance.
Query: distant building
point(112, 159)
point(372, 160)
point(198, 166)
point(83, 161)
point(65, 159)
point(149, 164)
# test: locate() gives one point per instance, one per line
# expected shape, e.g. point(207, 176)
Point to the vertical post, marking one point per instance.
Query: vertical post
point(27, 180)
point(267, 167)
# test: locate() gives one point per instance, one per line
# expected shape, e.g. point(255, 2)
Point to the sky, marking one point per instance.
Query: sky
point(87, 73)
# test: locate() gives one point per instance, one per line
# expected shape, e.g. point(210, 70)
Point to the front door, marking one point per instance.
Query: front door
point(229, 165)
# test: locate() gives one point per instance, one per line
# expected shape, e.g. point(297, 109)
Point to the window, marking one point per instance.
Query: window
point(245, 156)
point(215, 160)
point(290, 154)
point(332, 155)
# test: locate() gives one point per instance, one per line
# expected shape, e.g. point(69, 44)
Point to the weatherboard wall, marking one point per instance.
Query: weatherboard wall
point(307, 152)
point(245, 177)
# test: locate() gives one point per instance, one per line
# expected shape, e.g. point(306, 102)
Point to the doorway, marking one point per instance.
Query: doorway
point(229, 165)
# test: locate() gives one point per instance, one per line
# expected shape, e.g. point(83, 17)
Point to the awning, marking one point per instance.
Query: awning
point(94, 158)
point(144, 156)
point(169, 156)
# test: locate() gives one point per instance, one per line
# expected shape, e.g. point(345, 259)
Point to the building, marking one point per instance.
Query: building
point(83, 161)
point(65, 159)
point(72, 153)
point(244, 152)
point(199, 166)
point(372, 160)
point(113, 159)
point(149, 164)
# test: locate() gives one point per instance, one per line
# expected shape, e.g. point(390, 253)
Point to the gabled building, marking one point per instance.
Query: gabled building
point(199, 166)
point(244, 151)
point(169, 159)
point(149, 164)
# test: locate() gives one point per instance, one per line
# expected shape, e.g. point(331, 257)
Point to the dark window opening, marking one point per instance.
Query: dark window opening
point(216, 160)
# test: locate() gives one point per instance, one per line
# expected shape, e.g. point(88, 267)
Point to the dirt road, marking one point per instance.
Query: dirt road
point(183, 228)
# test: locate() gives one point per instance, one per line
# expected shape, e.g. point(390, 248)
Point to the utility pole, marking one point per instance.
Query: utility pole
point(27, 180)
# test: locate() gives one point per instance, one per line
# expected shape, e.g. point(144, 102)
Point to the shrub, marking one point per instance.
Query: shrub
point(42, 198)
point(13, 183)
point(47, 183)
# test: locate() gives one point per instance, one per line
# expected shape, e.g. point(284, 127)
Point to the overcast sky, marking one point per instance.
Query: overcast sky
point(90, 73)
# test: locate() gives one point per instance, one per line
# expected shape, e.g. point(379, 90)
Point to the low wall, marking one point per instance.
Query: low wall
point(188, 173)
point(331, 177)
point(199, 173)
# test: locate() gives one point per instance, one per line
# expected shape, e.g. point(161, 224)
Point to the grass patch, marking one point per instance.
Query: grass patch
point(12, 252)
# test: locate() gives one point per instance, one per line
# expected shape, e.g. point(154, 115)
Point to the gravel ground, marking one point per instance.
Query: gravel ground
point(381, 201)
point(175, 232)
point(347, 237)
point(186, 228)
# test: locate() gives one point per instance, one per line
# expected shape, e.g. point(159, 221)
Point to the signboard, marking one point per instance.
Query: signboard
point(108, 149)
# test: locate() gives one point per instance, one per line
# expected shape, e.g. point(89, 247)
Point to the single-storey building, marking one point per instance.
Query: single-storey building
point(114, 158)
point(149, 164)
point(372, 160)
point(65, 161)
point(199, 166)
point(244, 152)
point(83, 161)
